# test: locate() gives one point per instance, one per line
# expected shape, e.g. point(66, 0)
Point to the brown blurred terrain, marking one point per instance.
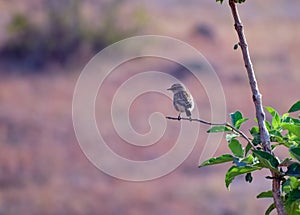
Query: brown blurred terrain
point(45, 44)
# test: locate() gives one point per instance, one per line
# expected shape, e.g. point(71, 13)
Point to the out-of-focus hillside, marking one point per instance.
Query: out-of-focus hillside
point(45, 44)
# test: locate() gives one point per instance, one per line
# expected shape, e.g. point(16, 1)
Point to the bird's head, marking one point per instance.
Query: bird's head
point(176, 88)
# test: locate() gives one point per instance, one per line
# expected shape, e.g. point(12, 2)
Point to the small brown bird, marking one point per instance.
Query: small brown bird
point(182, 100)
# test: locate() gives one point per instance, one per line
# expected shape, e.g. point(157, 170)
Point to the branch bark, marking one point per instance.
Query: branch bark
point(256, 96)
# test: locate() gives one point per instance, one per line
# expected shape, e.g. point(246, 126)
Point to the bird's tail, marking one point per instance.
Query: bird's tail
point(188, 113)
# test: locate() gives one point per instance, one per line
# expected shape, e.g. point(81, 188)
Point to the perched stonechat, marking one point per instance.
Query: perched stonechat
point(182, 100)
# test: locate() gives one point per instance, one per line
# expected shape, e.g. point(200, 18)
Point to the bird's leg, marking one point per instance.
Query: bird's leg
point(179, 117)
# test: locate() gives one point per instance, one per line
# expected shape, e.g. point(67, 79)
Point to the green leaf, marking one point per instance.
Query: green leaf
point(268, 125)
point(276, 136)
point(275, 117)
point(239, 163)
point(290, 120)
point(248, 160)
point(295, 129)
point(267, 160)
point(236, 148)
point(292, 206)
point(290, 184)
point(256, 135)
point(221, 159)
point(295, 152)
point(270, 209)
point(294, 183)
point(221, 1)
point(293, 170)
point(231, 136)
point(247, 149)
point(235, 171)
point(284, 116)
point(248, 177)
point(235, 117)
point(240, 122)
point(292, 202)
point(235, 47)
point(266, 194)
point(254, 130)
point(219, 128)
point(295, 194)
point(295, 107)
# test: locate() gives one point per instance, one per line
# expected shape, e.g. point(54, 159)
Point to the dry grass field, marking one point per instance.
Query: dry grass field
point(42, 168)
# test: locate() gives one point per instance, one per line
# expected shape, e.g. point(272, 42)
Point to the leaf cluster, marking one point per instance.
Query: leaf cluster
point(284, 131)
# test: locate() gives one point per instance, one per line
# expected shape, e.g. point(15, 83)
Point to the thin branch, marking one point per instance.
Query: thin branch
point(256, 96)
point(226, 124)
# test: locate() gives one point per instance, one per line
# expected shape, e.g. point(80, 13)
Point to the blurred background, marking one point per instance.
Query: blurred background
point(44, 44)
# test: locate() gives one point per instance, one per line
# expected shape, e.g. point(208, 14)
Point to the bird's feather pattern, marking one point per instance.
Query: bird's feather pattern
point(184, 99)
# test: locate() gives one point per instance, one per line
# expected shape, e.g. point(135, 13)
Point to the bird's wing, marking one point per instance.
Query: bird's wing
point(184, 99)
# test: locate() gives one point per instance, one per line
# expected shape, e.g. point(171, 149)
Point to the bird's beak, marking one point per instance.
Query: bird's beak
point(169, 88)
